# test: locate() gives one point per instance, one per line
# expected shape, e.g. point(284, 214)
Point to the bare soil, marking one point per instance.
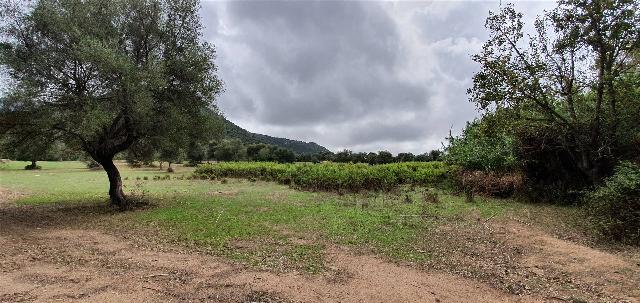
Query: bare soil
point(61, 254)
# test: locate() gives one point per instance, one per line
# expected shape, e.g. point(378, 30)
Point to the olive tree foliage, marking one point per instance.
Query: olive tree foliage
point(562, 89)
point(105, 75)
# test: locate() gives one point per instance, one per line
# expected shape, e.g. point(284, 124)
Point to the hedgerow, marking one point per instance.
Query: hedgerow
point(333, 176)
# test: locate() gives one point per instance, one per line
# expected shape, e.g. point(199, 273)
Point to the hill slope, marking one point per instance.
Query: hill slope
point(232, 131)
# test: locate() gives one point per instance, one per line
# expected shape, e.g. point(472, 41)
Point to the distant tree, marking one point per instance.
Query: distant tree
point(405, 157)
point(140, 153)
point(422, 157)
point(359, 157)
point(230, 150)
point(343, 156)
point(266, 154)
point(313, 158)
point(196, 153)
point(325, 156)
point(103, 75)
point(284, 155)
point(31, 148)
point(59, 151)
point(170, 153)
point(435, 155)
point(253, 151)
point(384, 157)
point(372, 158)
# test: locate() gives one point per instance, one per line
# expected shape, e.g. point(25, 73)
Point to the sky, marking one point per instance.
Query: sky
point(358, 75)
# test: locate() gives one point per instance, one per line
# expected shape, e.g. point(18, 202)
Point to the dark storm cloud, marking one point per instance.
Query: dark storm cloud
point(358, 75)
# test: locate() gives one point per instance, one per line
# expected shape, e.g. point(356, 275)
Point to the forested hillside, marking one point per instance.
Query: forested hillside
point(232, 131)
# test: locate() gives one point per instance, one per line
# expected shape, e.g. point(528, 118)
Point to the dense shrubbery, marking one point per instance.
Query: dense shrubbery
point(333, 176)
point(614, 207)
point(488, 159)
point(480, 147)
point(557, 104)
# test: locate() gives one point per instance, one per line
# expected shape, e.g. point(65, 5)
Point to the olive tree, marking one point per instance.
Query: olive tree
point(104, 75)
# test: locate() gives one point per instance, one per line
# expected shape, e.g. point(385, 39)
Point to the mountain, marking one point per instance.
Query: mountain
point(232, 131)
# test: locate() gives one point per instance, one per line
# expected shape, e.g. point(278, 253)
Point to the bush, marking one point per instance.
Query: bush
point(479, 149)
point(497, 184)
point(32, 166)
point(614, 207)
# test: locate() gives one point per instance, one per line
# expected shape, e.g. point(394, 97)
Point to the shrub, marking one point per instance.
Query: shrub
point(614, 207)
point(478, 149)
point(498, 184)
point(32, 166)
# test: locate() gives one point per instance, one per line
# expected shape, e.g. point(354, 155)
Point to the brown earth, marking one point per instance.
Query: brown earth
point(584, 268)
point(53, 254)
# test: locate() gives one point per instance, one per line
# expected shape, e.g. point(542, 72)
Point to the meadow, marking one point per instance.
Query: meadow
point(264, 216)
point(220, 213)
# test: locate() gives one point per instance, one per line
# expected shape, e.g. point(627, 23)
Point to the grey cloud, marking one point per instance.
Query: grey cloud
point(359, 75)
point(304, 38)
point(461, 19)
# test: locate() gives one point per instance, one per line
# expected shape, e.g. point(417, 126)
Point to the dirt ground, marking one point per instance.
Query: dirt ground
point(49, 254)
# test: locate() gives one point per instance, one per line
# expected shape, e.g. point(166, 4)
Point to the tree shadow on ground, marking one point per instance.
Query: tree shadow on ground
point(64, 214)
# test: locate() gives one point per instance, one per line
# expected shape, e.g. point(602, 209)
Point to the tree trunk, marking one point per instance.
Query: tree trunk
point(115, 184)
point(33, 163)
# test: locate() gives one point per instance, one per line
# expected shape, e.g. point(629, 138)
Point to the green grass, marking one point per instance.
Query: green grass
point(260, 223)
point(71, 180)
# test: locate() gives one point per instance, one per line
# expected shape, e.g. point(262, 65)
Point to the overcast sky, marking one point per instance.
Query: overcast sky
point(365, 76)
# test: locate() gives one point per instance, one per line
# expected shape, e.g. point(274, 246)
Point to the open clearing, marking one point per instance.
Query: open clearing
point(241, 241)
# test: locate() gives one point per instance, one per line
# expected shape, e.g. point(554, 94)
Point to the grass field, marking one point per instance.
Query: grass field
point(256, 221)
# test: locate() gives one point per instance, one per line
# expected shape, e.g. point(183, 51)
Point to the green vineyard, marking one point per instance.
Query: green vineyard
point(333, 176)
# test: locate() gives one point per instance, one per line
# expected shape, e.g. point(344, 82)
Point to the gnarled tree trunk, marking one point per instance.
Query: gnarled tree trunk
point(115, 184)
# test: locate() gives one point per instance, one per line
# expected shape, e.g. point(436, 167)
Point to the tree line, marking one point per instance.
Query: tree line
point(227, 150)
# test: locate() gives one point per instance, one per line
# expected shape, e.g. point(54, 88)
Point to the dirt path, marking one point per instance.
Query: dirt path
point(47, 255)
point(585, 268)
point(70, 265)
